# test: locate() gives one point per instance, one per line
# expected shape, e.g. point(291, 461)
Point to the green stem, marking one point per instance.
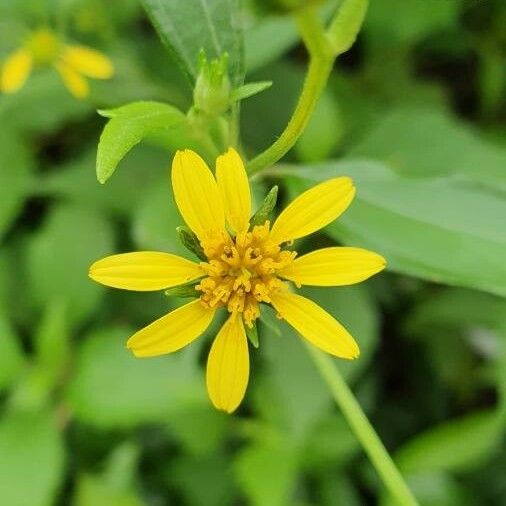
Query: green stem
point(314, 84)
point(320, 66)
point(324, 46)
point(233, 133)
point(362, 428)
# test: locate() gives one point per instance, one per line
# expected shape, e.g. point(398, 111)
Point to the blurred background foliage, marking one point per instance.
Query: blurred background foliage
point(415, 112)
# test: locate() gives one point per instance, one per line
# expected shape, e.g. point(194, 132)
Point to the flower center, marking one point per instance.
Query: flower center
point(44, 46)
point(242, 272)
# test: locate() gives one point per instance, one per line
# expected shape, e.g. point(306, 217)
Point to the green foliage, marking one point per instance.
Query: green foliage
point(15, 178)
point(248, 90)
point(114, 486)
point(213, 26)
point(418, 224)
point(252, 334)
point(31, 452)
point(434, 145)
point(266, 472)
point(267, 40)
point(413, 20)
point(263, 213)
point(190, 241)
point(126, 127)
point(138, 391)
point(454, 446)
point(414, 113)
point(11, 358)
point(58, 261)
point(155, 221)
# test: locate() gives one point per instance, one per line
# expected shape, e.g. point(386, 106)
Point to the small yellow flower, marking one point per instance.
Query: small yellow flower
point(73, 63)
point(245, 266)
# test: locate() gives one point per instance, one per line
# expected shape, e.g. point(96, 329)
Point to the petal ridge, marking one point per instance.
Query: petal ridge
point(144, 271)
point(313, 209)
point(228, 365)
point(314, 324)
point(334, 266)
point(171, 332)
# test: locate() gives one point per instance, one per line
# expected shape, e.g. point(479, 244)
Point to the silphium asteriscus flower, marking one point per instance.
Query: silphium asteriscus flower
point(43, 48)
point(244, 267)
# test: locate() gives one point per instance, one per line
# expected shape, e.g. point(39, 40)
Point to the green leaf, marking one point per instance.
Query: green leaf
point(456, 445)
point(249, 89)
point(413, 20)
point(76, 182)
point(433, 228)
point(346, 24)
point(268, 39)
point(52, 341)
point(290, 392)
point(60, 254)
point(435, 144)
point(252, 333)
point(184, 291)
point(263, 213)
point(266, 473)
point(11, 354)
point(457, 308)
point(191, 242)
point(112, 388)
point(203, 480)
point(92, 491)
point(116, 485)
point(330, 443)
point(127, 126)
point(31, 459)
point(187, 28)
point(15, 177)
point(155, 222)
point(435, 489)
point(200, 429)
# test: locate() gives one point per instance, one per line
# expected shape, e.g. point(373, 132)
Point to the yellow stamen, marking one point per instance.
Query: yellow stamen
point(242, 272)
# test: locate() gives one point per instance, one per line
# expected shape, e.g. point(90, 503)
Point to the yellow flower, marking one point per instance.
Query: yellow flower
point(245, 266)
point(73, 63)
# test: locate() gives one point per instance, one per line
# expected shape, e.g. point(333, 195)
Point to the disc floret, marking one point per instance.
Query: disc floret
point(242, 272)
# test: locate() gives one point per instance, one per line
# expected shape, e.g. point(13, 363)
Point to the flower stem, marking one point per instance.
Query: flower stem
point(324, 46)
point(320, 66)
point(315, 82)
point(362, 428)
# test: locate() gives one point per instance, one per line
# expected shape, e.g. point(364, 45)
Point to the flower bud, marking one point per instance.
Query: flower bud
point(212, 88)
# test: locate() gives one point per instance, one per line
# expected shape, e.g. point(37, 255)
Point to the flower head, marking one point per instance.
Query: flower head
point(73, 63)
point(246, 266)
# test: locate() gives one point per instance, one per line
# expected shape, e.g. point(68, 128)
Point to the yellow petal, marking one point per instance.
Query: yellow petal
point(75, 82)
point(334, 267)
point(16, 70)
point(234, 188)
point(196, 194)
point(88, 61)
point(315, 324)
point(172, 331)
point(144, 271)
point(228, 365)
point(313, 209)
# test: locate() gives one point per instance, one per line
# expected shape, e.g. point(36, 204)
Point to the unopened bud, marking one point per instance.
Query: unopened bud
point(212, 88)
